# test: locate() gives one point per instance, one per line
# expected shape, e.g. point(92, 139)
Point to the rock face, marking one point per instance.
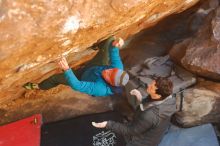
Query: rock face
point(201, 53)
point(35, 33)
point(200, 105)
point(55, 104)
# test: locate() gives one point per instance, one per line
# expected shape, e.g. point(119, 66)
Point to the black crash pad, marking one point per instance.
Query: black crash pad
point(80, 132)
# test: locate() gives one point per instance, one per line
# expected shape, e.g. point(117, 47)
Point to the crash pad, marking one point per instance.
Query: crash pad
point(80, 132)
point(203, 135)
point(142, 74)
point(25, 132)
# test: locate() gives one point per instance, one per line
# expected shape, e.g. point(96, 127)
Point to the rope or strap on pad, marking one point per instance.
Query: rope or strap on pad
point(181, 100)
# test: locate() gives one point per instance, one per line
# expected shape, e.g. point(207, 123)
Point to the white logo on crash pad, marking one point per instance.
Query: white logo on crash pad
point(104, 139)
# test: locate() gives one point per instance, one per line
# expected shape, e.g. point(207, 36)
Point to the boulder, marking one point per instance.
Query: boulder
point(200, 105)
point(200, 54)
point(35, 33)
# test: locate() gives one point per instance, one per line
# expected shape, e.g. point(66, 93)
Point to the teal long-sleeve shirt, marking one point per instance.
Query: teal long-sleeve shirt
point(92, 82)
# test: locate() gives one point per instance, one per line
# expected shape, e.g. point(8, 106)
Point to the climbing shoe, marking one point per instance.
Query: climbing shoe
point(30, 86)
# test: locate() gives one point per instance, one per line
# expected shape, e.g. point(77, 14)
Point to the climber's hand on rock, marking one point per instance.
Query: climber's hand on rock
point(63, 64)
point(119, 42)
point(100, 125)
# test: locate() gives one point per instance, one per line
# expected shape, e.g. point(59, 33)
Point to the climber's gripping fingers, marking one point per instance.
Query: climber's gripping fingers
point(119, 42)
point(63, 64)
